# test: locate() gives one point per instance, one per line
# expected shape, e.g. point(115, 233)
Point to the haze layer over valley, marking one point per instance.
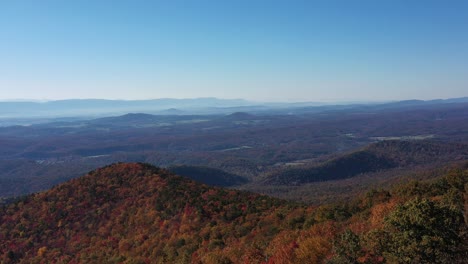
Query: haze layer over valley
point(290, 151)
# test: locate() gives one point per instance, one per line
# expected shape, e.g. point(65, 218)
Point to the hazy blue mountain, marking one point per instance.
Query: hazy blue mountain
point(27, 113)
point(96, 107)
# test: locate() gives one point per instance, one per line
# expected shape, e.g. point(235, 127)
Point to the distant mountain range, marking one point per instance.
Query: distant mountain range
point(169, 106)
point(97, 107)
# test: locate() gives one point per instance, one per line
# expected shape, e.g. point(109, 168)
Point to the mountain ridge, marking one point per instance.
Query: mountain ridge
point(380, 156)
point(204, 105)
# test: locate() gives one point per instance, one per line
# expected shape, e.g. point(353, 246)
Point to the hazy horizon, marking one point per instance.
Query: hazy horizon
point(266, 51)
point(19, 100)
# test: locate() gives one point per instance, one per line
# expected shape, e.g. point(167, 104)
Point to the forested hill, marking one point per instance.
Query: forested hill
point(137, 213)
point(376, 157)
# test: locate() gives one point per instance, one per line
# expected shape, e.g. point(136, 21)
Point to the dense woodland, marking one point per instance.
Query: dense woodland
point(137, 213)
point(376, 157)
point(207, 175)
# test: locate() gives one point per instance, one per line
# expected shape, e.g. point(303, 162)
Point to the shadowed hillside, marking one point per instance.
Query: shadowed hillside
point(336, 169)
point(377, 157)
point(210, 176)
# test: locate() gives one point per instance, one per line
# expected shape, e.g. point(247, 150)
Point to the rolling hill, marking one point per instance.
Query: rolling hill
point(377, 157)
point(135, 212)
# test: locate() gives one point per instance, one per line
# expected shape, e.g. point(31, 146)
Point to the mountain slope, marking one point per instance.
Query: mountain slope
point(136, 213)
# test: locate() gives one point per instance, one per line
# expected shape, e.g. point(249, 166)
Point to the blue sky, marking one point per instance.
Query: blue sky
point(258, 50)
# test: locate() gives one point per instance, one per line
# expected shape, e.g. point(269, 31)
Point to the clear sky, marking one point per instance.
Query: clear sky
point(259, 50)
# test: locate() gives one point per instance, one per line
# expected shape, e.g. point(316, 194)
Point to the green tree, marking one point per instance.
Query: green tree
point(347, 248)
point(422, 231)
